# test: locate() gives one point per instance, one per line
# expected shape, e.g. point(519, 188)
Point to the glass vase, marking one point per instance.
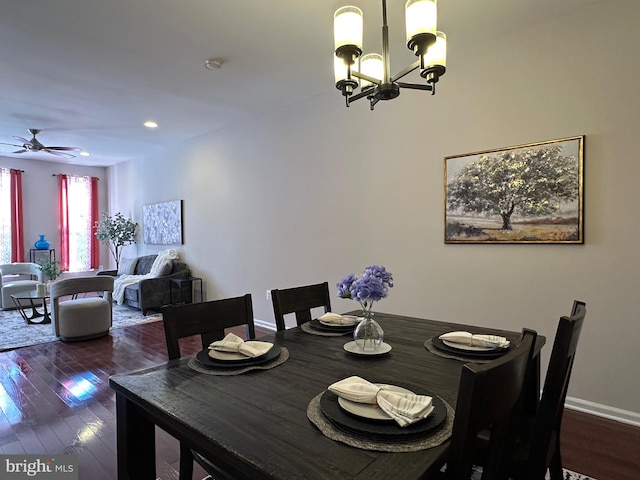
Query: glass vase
point(368, 334)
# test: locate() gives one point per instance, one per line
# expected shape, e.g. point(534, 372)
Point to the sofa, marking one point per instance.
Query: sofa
point(152, 293)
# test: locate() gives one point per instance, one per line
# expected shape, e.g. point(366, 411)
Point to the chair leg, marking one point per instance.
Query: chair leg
point(186, 463)
point(555, 468)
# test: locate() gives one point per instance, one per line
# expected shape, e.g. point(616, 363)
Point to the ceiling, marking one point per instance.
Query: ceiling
point(88, 73)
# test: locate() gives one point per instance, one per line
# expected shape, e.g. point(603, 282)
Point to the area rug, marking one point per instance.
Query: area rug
point(16, 333)
point(568, 475)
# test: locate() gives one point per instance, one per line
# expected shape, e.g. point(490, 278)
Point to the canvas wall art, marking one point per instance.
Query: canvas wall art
point(162, 223)
point(524, 194)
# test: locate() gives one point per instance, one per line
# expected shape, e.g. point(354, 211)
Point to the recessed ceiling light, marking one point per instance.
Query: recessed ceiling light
point(150, 124)
point(84, 153)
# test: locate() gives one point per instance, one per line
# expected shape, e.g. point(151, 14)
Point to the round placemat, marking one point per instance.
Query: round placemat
point(329, 430)
point(194, 364)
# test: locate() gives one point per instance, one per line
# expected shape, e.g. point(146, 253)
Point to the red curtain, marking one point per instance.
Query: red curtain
point(95, 246)
point(63, 209)
point(17, 227)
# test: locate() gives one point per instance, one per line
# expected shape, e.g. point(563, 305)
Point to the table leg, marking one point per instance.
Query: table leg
point(34, 312)
point(135, 442)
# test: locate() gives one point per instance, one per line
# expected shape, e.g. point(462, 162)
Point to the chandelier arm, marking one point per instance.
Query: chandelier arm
point(362, 76)
point(415, 86)
point(406, 71)
point(360, 95)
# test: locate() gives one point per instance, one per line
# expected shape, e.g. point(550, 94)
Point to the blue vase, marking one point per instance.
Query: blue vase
point(42, 244)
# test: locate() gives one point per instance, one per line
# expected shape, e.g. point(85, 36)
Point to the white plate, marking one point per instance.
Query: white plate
point(218, 355)
point(354, 321)
point(461, 346)
point(367, 410)
point(352, 347)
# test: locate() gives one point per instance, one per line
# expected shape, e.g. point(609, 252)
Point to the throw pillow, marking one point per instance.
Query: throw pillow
point(127, 266)
point(161, 260)
point(165, 269)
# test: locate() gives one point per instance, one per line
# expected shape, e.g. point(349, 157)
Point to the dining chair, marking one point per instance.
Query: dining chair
point(299, 300)
point(538, 450)
point(537, 445)
point(208, 320)
point(489, 399)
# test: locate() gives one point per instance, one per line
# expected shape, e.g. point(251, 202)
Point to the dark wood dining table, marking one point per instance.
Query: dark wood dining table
point(255, 426)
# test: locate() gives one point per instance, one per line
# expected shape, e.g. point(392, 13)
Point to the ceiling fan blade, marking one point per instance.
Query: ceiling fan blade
point(23, 140)
point(58, 153)
point(21, 151)
point(11, 144)
point(74, 149)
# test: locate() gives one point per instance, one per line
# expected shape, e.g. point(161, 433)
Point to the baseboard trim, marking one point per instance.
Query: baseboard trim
point(572, 403)
point(263, 324)
point(605, 411)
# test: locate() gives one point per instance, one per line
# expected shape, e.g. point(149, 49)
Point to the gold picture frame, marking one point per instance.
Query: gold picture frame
point(523, 194)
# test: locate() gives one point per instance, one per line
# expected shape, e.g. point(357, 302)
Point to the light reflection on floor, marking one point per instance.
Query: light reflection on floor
point(78, 389)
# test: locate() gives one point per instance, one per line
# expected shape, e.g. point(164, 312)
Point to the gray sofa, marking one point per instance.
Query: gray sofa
point(153, 293)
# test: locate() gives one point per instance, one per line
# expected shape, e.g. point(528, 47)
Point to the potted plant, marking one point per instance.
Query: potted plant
point(50, 269)
point(116, 232)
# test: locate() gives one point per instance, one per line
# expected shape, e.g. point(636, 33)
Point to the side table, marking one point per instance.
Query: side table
point(181, 283)
point(37, 255)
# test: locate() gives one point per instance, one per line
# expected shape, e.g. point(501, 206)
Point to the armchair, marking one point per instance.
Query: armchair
point(82, 318)
point(16, 278)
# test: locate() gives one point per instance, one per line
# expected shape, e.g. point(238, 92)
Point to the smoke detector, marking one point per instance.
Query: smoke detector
point(214, 63)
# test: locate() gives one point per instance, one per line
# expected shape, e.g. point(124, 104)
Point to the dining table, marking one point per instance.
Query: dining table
point(258, 424)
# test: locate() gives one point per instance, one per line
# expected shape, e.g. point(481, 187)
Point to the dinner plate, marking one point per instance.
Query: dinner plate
point(204, 359)
point(370, 411)
point(469, 348)
point(316, 324)
point(229, 356)
point(493, 353)
point(352, 347)
point(350, 317)
point(381, 429)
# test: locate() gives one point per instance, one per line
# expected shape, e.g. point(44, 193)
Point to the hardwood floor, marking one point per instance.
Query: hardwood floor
point(55, 398)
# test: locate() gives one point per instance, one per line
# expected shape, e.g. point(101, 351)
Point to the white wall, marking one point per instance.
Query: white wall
point(40, 198)
point(315, 191)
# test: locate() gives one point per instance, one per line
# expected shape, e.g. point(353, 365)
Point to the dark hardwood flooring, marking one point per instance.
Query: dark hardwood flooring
point(55, 398)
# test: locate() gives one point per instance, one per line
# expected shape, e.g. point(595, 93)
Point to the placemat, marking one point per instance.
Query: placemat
point(198, 367)
point(329, 430)
point(463, 358)
point(309, 329)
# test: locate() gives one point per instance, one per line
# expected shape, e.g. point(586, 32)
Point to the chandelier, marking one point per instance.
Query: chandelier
point(371, 72)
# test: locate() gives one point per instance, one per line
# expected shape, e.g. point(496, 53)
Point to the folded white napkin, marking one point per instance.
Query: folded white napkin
point(466, 338)
point(233, 343)
point(404, 408)
point(330, 318)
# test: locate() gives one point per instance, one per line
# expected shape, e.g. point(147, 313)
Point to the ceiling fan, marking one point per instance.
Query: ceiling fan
point(34, 145)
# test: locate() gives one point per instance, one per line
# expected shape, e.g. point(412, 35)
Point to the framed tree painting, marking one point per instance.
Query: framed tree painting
point(162, 223)
point(524, 194)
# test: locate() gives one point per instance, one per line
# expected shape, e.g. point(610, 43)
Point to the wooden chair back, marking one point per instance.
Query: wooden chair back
point(207, 319)
point(299, 300)
point(489, 398)
point(544, 447)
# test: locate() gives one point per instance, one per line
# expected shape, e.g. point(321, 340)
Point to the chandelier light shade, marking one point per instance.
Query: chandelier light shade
point(372, 72)
point(373, 66)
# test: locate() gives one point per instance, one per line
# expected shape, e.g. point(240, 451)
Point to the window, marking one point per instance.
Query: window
point(79, 251)
point(5, 216)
